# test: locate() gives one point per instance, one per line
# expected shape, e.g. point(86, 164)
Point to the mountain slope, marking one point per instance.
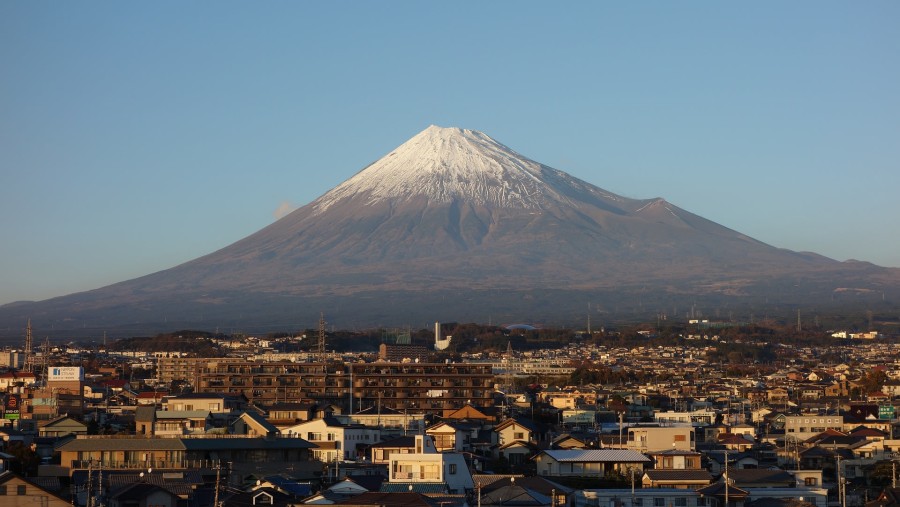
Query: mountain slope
point(453, 212)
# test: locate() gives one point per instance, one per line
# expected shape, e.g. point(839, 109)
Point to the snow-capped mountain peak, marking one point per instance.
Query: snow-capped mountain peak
point(444, 164)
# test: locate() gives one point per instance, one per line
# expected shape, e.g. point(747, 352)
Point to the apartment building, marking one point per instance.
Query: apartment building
point(403, 387)
point(802, 427)
point(187, 369)
point(425, 387)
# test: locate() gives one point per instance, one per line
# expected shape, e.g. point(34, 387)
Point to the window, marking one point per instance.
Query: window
point(810, 481)
point(21, 489)
point(680, 438)
point(659, 502)
point(3, 489)
point(519, 435)
point(638, 502)
point(681, 502)
point(452, 468)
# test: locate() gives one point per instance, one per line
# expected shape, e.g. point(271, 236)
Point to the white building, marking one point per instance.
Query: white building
point(427, 466)
point(336, 440)
point(802, 427)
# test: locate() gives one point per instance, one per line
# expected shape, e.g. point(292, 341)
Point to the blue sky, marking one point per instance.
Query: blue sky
point(135, 136)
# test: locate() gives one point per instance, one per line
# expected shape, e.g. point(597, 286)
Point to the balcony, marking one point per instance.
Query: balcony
point(77, 464)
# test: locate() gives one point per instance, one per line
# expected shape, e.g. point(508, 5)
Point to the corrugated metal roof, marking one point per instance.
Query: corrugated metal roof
point(597, 455)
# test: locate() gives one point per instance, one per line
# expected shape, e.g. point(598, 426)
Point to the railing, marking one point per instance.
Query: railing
point(192, 435)
point(144, 465)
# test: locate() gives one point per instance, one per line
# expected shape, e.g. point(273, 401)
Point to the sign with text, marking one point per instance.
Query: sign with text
point(11, 407)
point(62, 373)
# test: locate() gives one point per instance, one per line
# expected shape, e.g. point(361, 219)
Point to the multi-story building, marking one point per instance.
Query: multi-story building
point(404, 387)
point(244, 454)
point(169, 369)
point(802, 427)
point(275, 382)
point(426, 387)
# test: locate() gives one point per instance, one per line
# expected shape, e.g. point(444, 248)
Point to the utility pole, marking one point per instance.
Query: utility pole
point(842, 483)
point(218, 478)
point(726, 478)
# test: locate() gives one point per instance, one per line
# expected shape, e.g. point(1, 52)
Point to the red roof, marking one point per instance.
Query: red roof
point(152, 394)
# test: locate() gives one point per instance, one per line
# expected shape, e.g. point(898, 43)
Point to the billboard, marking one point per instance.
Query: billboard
point(886, 412)
point(11, 407)
point(62, 373)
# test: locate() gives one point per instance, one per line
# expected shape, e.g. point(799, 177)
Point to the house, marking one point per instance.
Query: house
point(735, 443)
point(262, 495)
point(452, 436)
point(676, 469)
point(469, 412)
point(515, 441)
point(656, 438)
point(336, 440)
point(16, 491)
point(513, 493)
point(536, 490)
point(142, 493)
point(517, 452)
point(736, 460)
point(217, 404)
point(149, 421)
point(346, 488)
point(568, 441)
point(380, 453)
point(61, 426)
point(391, 422)
point(589, 463)
point(512, 430)
point(253, 424)
point(676, 460)
point(761, 478)
point(425, 467)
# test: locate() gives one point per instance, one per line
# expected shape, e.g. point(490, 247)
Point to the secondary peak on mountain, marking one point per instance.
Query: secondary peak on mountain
point(447, 164)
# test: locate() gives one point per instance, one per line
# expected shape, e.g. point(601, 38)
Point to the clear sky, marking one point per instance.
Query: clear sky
point(135, 136)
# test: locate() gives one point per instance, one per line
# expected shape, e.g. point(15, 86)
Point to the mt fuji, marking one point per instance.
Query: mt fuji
point(453, 225)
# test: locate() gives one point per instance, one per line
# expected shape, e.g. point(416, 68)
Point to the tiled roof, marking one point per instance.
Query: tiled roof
point(417, 487)
point(679, 475)
point(597, 455)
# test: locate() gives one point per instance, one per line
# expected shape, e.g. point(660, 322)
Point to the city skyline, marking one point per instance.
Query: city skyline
point(135, 138)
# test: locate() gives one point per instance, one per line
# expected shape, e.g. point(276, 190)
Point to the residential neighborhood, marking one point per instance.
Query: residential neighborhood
point(601, 425)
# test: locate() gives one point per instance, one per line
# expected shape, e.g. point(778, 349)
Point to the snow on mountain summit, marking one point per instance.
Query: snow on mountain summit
point(444, 164)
